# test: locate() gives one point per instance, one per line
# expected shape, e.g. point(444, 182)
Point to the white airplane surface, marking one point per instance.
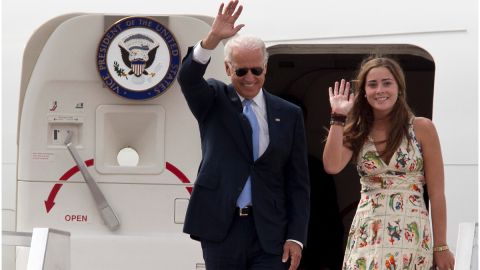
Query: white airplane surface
point(311, 43)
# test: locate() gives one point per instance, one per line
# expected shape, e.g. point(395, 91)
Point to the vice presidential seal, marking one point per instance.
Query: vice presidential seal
point(138, 58)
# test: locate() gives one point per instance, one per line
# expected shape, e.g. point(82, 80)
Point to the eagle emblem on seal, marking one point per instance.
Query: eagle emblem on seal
point(138, 53)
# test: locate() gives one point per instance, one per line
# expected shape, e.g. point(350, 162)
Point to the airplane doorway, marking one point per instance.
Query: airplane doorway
point(302, 74)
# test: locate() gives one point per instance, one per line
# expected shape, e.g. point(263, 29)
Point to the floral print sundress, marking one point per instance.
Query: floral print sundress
point(391, 228)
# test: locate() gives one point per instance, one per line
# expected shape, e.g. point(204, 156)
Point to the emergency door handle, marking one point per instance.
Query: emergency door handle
point(106, 211)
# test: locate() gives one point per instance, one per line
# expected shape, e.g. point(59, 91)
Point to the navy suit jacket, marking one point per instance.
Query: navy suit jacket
point(280, 183)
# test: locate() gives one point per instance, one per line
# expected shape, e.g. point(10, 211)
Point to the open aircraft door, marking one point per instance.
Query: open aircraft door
point(302, 73)
point(108, 148)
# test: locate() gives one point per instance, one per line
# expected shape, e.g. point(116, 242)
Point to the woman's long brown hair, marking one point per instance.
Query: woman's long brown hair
point(360, 119)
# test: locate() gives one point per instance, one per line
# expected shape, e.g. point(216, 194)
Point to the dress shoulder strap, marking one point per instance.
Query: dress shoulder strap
point(411, 133)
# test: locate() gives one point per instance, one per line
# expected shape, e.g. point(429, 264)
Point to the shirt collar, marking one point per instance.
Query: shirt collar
point(259, 99)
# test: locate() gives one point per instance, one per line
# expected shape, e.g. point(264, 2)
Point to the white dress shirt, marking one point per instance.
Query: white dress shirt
point(200, 54)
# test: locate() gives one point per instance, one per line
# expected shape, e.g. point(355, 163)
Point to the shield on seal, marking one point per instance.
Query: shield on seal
point(138, 66)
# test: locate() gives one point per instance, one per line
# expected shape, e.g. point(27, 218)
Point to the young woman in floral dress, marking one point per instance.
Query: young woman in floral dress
point(397, 155)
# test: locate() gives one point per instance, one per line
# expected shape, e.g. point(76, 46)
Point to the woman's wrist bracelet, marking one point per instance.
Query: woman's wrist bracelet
point(440, 248)
point(337, 119)
point(337, 123)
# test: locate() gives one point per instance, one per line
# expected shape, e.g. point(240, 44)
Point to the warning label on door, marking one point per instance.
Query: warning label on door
point(43, 156)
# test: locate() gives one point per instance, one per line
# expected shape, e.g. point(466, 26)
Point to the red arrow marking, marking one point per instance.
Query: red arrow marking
point(50, 202)
point(179, 175)
point(74, 170)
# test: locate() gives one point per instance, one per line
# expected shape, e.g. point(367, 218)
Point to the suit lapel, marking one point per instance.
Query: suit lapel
point(273, 121)
point(239, 129)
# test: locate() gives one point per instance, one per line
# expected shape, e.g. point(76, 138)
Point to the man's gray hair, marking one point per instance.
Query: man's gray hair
point(250, 42)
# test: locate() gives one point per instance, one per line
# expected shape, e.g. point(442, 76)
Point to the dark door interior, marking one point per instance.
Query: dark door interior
point(302, 75)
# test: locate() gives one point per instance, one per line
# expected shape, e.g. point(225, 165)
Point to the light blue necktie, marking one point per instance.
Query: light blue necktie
point(245, 197)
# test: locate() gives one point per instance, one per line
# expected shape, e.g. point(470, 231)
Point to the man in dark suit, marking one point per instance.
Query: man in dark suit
point(250, 203)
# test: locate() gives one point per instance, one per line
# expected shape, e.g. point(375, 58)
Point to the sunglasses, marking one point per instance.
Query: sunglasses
point(257, 71)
